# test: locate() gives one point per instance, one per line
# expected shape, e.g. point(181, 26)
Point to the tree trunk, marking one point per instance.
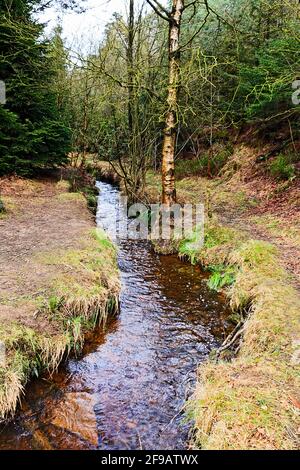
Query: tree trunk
point(169, 142)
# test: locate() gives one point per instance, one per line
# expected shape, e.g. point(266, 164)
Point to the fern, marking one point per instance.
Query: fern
point(222, 276)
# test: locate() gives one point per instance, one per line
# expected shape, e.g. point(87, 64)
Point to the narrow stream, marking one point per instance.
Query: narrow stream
point(128, 389)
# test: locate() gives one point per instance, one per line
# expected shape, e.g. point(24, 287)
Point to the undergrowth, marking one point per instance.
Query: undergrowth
point(222, 276)
point(208, 163)
point(282, 167)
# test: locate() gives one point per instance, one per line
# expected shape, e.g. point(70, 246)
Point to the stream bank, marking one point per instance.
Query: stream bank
point(251, 401)
point(59, 279)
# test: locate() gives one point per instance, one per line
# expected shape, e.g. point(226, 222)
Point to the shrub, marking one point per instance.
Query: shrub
point(281, 167)
point(212, 162)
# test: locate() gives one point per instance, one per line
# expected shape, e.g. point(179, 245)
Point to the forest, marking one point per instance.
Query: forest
point(176, 102)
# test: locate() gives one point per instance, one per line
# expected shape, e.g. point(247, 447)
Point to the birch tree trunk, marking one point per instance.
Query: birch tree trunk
point(169, 141)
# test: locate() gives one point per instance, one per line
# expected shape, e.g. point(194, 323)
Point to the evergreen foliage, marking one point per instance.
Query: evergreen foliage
point(32, 132)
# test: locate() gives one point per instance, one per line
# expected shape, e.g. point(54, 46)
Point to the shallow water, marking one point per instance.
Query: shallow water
point(128, 388)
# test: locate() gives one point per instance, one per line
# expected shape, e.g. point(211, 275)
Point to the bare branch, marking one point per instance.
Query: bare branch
point(197, 32)
point(158, 12)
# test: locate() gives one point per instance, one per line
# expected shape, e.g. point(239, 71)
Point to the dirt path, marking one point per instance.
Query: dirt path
point(40, 218)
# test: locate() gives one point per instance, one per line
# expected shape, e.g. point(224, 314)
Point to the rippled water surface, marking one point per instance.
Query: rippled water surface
point(128, 389)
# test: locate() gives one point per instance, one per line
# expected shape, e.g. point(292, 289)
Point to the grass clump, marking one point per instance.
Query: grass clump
point(184, 168)
point(216, 247)
point(2, 209)
point(63, 186)
point(87, 278)
point(189, 247)
point(208, 163)
point(71, 197)
point(7, 206)
point(279, 227)
point(27, 353)
point(78, 193)
point(222, 276)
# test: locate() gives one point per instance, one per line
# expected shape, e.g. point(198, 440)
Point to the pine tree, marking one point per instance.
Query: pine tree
point(32, 133)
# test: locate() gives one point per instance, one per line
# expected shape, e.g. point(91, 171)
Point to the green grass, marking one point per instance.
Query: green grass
point(28, 353)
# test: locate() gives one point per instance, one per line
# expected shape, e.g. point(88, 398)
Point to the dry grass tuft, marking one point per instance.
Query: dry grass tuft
point(28, 352)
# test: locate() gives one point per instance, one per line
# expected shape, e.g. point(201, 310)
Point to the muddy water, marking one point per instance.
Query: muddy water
point(128, 389)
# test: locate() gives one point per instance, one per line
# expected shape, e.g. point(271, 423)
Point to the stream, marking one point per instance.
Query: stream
point(128, 389)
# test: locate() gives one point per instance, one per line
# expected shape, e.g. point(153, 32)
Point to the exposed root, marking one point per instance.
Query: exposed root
point(233, 341)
